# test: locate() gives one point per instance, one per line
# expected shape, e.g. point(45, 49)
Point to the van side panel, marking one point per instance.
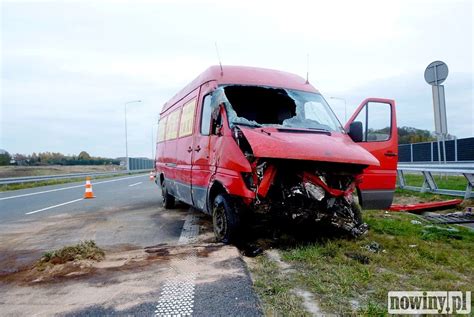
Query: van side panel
point(167, 162)
point(160, 146)
point(184, 151)
point(202, 169)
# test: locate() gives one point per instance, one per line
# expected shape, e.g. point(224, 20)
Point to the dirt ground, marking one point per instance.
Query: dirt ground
point(81, 286)
point(74, 286)
point(19, 171)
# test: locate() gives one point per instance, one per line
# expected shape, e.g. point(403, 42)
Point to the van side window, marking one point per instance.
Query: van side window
point(376, 121)
point(161, 129)
point(206, 115)
point(187, 118)
point(172, 125)
point(379, 123)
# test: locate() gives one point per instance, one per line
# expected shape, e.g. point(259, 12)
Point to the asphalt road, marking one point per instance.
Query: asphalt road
point(34, 202)
point(125, 218)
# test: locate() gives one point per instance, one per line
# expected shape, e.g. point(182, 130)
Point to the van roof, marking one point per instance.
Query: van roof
point(243, 75)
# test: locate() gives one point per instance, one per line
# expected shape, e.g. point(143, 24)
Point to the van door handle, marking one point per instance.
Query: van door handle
point(197, 149)
point(190, 149)
point(390, 153)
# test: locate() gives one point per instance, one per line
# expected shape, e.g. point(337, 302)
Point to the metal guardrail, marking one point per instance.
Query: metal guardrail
point(28, 179)
point(429, 183)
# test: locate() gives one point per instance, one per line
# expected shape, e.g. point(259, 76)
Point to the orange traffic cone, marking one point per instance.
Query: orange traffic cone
point(152, 176)
point(88, 193)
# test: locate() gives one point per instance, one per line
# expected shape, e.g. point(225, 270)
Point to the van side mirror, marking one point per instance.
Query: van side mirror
point(356, 131)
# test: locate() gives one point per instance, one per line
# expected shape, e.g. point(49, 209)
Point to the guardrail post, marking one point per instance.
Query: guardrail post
point(429, 184)
point(401, 179)
point(470, 185)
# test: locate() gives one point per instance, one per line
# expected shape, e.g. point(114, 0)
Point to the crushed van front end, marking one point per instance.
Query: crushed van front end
point(301, 162)
point(307, 192)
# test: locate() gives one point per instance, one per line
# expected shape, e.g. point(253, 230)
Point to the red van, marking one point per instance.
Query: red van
point(241, 139)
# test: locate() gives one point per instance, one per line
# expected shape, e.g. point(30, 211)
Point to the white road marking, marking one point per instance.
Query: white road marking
point(70, 187)
point(177, 296)
point(51, 207)
point(190, 230)
point(135, 184)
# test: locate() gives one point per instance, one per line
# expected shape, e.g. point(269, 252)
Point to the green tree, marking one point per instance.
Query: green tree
point(408, 135)
point(5, 158)
point(84, 156)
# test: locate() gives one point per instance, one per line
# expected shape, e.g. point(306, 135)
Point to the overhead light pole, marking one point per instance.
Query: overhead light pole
point(126, 136)
point(345, 106)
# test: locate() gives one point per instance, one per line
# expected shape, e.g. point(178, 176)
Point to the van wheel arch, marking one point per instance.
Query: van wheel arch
point(215, 189)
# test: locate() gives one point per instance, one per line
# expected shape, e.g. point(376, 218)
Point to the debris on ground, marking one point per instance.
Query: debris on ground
point(450, 218)
point(433, 205)
point(363, 259)
point(415, 222)
point(373, 247)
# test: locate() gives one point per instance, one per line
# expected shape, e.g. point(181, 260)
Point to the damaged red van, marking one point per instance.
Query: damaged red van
point(242, 139)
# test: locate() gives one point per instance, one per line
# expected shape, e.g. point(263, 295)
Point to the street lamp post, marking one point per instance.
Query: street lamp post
point(126, 136)
point(345, 106)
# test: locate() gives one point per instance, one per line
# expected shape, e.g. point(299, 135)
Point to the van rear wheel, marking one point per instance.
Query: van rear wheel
point(167, 199)
point(225, 219)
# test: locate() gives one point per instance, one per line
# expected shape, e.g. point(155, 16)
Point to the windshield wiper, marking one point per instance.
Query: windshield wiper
point(305, 130)
point(253, 125)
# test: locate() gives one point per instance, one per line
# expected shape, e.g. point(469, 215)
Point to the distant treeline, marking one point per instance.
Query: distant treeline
point(53, 158)
point(408, 135)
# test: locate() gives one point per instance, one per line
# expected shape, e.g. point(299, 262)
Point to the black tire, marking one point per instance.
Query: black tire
point(167, 199)
point(225, 219)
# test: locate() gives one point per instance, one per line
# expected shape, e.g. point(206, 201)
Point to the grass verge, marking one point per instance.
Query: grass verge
point(423, 196)
point(275, 289)
point(85, 250)
point(444, 182)
point(348, 278)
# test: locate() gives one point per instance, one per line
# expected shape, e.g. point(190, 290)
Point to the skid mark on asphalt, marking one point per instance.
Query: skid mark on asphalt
point(177, 296)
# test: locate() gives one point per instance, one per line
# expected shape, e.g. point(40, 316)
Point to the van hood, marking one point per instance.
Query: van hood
point(306, 145)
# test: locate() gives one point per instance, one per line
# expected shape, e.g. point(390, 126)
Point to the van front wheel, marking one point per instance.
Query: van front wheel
point(225, 219)
point(167, 199)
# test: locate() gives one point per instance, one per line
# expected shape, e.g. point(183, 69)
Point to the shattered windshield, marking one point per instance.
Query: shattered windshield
point(258, 106)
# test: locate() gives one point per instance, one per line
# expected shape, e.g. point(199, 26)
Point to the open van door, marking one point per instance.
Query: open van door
point(380, 137)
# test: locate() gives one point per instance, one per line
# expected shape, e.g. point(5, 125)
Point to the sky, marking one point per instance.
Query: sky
point(68, 67)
